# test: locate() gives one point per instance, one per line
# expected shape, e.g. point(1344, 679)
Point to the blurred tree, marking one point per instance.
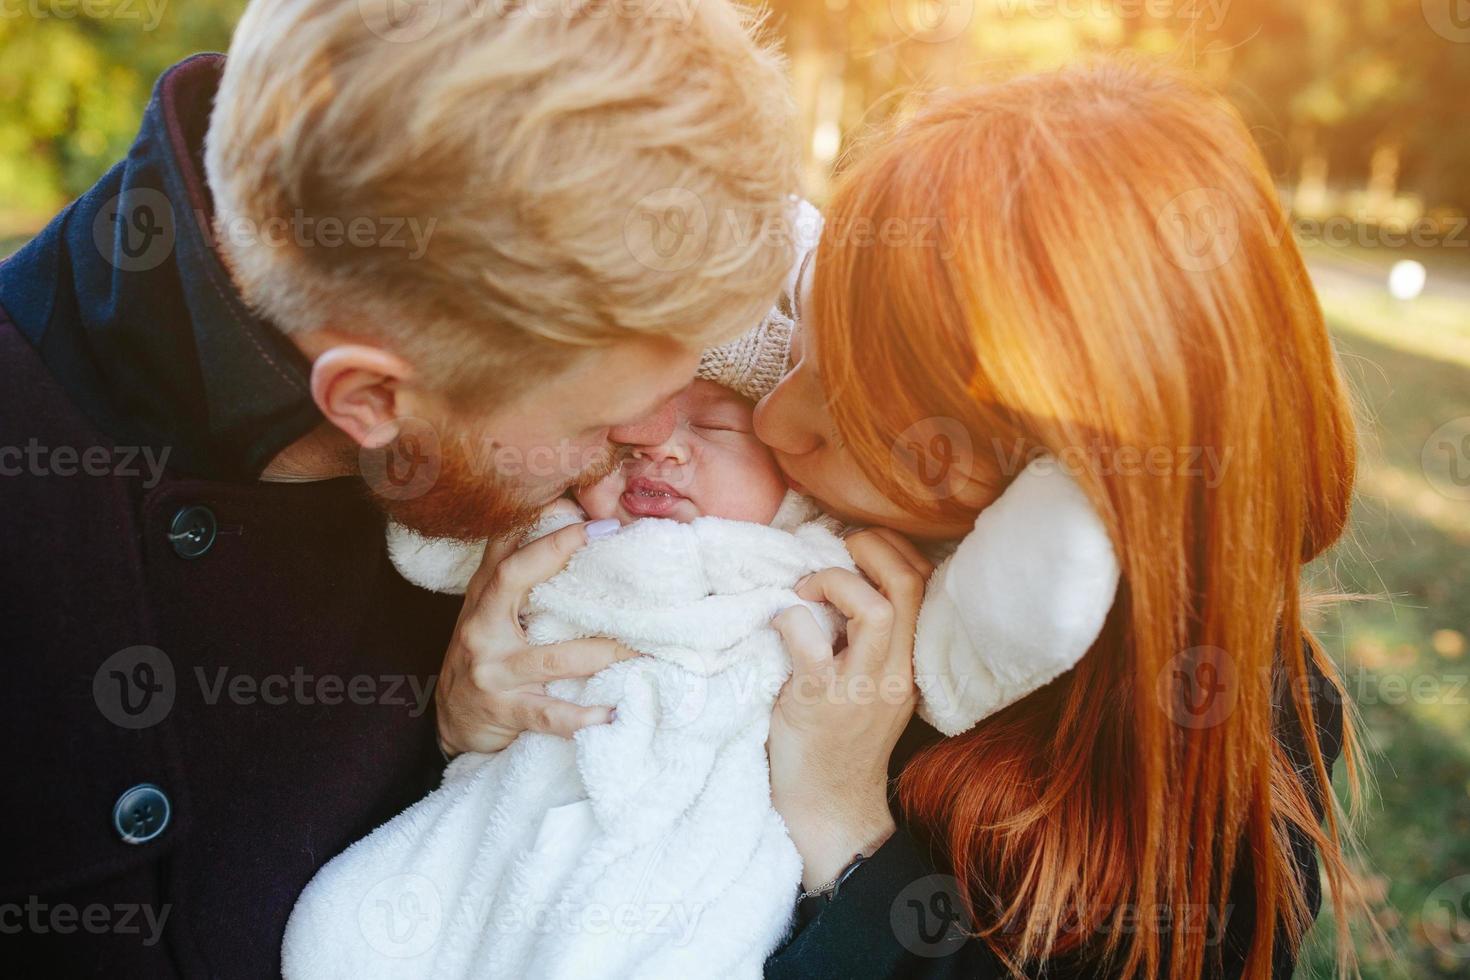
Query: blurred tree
point(1334, 87)
point(1331, 85)
point(74, 79)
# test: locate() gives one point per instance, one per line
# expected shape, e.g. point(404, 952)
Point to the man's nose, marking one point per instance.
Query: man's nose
point(651, 430)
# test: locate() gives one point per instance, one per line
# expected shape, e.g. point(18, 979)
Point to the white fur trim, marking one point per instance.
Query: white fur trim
point(1020, 601)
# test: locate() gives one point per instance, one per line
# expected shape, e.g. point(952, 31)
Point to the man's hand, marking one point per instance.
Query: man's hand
point(490, 689)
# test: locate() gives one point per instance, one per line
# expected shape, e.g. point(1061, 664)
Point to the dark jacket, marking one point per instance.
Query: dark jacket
point(897, 915)
point(185, 642)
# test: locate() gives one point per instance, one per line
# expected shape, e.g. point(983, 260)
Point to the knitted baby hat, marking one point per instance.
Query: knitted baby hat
point(753, 363)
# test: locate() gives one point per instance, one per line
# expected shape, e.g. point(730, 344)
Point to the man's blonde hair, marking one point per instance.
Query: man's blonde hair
point(522, 176)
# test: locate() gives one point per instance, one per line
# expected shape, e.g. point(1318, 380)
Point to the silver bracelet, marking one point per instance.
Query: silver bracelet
point(831, 887)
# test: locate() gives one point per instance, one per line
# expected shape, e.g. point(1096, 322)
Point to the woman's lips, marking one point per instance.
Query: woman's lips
point(649, 498)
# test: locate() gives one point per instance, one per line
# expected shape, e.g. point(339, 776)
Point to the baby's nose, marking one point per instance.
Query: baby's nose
point(671, 450)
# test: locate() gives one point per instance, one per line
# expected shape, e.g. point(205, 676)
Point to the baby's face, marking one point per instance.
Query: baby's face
point(711, 466)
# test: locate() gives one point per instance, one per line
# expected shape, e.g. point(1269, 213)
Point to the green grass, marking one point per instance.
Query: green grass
point(1409, 548)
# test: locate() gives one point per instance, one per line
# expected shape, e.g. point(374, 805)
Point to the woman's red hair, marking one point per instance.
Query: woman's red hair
point(1093, 263)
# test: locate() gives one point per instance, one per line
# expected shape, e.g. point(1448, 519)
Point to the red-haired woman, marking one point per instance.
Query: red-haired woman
point(1090, 264)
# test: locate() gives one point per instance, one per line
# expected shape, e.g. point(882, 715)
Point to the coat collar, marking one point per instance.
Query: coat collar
point(133, 311)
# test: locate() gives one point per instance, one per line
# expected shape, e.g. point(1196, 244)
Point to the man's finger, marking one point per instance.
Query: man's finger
point(544, 713)
point(557, 661)
point(522, 570)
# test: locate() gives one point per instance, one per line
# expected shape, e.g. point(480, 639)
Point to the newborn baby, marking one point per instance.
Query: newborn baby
point(647, 847)
point(713, 465)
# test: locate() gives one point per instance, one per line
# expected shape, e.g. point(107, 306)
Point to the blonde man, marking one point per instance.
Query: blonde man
point(433, 259)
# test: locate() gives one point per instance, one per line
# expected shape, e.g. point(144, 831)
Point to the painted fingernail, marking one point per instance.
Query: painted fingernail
point(612, 716)
point(602, 528)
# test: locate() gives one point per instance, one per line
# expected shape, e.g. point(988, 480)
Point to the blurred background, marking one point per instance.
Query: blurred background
point(1363, 110)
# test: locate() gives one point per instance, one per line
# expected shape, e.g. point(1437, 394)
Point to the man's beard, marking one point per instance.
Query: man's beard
point(462, 499)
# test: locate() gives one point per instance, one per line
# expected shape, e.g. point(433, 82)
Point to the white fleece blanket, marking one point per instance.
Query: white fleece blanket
point(643, 848)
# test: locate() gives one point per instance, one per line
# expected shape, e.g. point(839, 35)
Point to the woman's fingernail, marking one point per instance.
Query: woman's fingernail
point(612, 716)
point(602, 528)
point(801, 581)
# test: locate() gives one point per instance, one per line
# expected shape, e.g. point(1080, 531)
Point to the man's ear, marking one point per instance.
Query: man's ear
point(358, 388)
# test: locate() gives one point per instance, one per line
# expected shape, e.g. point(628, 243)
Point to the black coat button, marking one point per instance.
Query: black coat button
point(140, 814)
point(192, 532)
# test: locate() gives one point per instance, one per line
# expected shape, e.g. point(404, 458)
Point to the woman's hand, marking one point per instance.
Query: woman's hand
point(490, 688)
point(840, 714)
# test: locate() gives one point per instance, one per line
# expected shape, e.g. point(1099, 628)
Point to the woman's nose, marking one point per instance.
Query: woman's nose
point(783, 423)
